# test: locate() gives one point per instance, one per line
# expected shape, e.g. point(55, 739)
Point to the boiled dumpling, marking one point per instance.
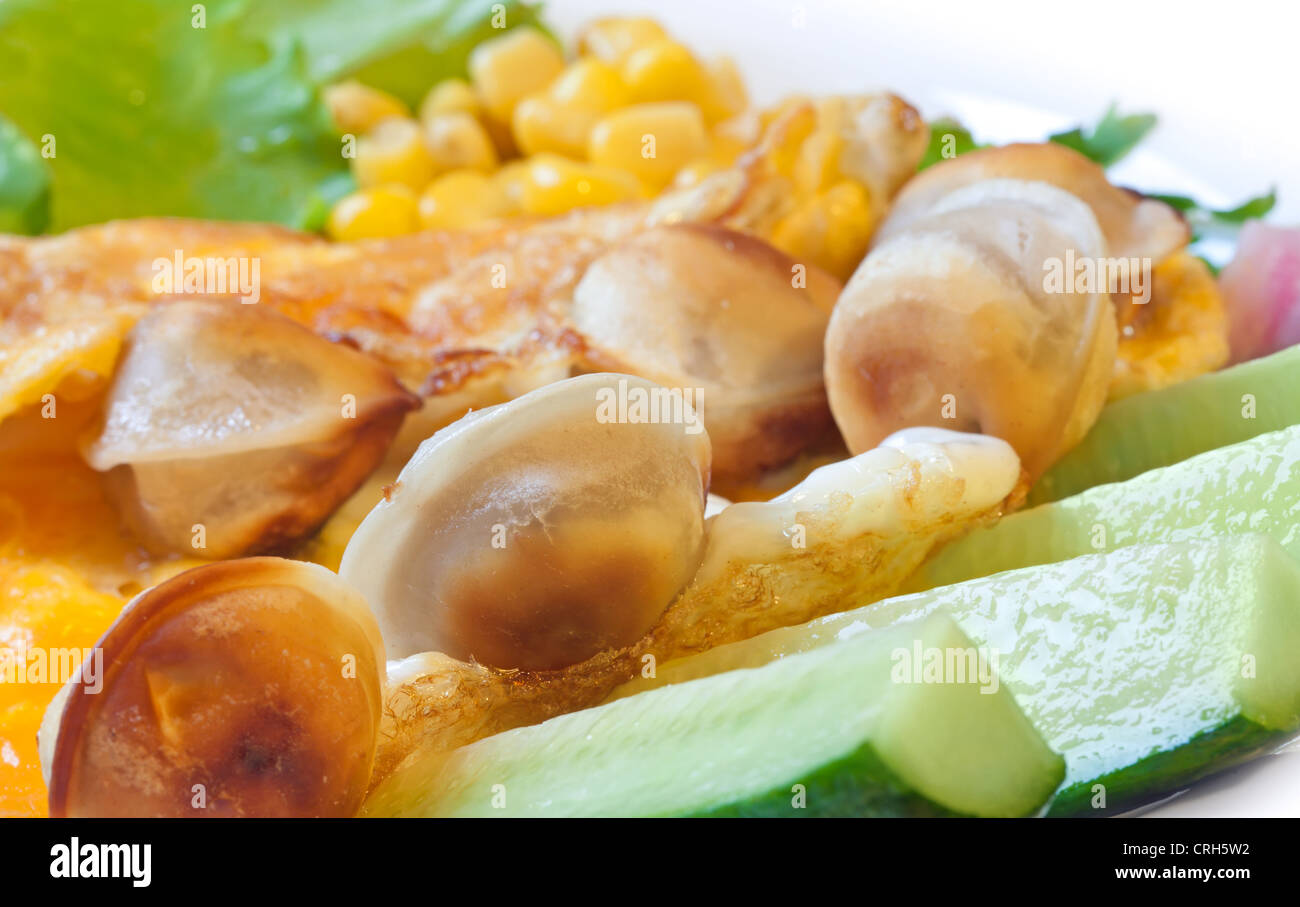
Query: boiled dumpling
point(849, 534)
point(246, 688)
point(229, 429)
point(1134, 227)
point(949, 322)
point(702, 307)
point(539, 532)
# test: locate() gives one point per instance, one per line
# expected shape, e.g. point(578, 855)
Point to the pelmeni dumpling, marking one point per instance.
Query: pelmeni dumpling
point(251, 687)
point(703, 307)
point(540, 532)
point(230, 429)
point(952, 323)
point(849, 534)
point(1133, 226)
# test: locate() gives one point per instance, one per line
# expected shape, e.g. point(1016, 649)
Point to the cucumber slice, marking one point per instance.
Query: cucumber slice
point(1253, 486)
point(1166, 426)
point(825, 734)
point(1147, 667)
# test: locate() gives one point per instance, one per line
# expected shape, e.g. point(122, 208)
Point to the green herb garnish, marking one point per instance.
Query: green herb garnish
point(1111, 139)
point(948, 138)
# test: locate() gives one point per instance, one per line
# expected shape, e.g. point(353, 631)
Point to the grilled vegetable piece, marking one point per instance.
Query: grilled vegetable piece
point(541, 532)
point(245, 688)
point(1162, 427)
point(950, 322)
point(229, 429)
point(1250, 486)
point(1146, 668)
point(850, 533)
point(831, 733)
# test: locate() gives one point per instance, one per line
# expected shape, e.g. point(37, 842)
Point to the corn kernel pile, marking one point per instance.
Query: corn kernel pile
point(531, 134)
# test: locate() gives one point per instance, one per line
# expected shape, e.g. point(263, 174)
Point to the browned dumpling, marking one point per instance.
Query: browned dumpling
point(229, 429)
point(705, 308)
point(539, 532)
point(1133, 226)
point(848, 534)
point(246, 688)
point(949, 323)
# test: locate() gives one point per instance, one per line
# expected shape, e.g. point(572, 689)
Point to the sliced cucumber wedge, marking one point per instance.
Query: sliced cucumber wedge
point(1147, 667)
point(844, 731)
point(1169, 425)
point(1253, 486)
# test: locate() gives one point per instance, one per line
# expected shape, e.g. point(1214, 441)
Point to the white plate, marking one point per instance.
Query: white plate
point(1222, 77)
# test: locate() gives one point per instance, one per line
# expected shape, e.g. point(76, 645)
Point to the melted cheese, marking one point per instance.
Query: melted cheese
point(66, 569)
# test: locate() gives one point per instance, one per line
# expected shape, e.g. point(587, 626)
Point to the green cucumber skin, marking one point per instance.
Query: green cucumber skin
point(1252, 486)
point(858, 785)
point(837, 722)
point(1196, 743)
point(1235, 741)
point(1163, 427)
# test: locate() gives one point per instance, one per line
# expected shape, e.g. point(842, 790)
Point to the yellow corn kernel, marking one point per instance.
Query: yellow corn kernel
point(450, 96)
point(357, 108)
point(830, 230)
point(461, 198)
point(373, 213)
point(551, 185)
point(540, 124)
point(612, 39)
point(590, 84)
point(726, 95)
point(665, 71)
point(510, 180)
point(817, 164)
point(651, 141)
point(786, 135)
point(508, 68)
point(724, 150)
point(393, 152)
point(458, 140)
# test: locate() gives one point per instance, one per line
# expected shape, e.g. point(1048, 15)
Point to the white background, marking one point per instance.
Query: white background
point(1222, 76)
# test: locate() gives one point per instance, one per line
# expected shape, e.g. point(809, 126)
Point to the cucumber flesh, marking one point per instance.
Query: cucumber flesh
point(1147, 667)
point(830, 733)
point(1252, 486)
point(1167, 426)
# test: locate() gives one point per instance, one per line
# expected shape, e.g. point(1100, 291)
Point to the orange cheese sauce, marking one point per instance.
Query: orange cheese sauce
point(68, 566)
point(66, 569)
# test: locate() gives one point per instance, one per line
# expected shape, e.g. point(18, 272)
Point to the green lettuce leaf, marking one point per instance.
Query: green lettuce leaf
point(156, 108)
point(24, 183)
point(401, 46)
